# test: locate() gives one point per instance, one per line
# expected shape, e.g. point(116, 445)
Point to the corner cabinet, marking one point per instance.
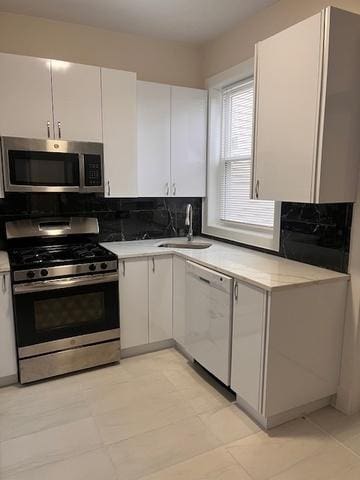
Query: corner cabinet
point(118, 91)
point(286, 348)
point(146, 291)
point(171, 140)
point(8, 358)
point(306, 128)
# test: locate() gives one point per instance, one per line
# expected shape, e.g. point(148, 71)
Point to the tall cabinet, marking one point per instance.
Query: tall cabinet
point(307, 111)
point(118, 90)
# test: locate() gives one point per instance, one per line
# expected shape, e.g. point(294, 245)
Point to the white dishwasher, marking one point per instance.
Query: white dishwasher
point(208, 319)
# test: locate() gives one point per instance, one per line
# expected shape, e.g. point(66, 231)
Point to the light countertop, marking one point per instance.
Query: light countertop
point(260, 269)
point(4, 262)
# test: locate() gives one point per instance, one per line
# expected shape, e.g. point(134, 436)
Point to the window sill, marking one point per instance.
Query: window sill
point(268, 241)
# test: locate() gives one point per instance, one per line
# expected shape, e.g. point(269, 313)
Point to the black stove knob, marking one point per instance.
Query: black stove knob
point(92, 267)
point(30, 274)
point(44, 272)
point(103, 266)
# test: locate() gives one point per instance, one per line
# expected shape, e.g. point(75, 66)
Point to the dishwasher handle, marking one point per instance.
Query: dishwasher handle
point(211, 277)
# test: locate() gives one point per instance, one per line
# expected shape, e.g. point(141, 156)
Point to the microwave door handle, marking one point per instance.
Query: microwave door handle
point(82, 186)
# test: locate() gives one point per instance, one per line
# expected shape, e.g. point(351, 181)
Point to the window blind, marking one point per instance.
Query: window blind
point(236, 146)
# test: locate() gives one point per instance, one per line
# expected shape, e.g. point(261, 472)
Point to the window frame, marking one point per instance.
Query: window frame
point(254, 235)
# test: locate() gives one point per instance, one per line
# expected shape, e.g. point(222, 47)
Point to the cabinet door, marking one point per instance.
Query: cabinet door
point(8, 361)
point(134, 302)
point(247, 343)
point(119, 132)
point(160, 298)
point(77, 101)
point(288, 89)
point(188, 142)
point(179, 300)
point(153, 139)
point(25, 97)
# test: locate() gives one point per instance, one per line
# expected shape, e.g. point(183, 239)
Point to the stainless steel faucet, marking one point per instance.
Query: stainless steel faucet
point(189, 221)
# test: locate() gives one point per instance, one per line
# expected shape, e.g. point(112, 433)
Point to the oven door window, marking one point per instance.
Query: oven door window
point(56, 314)
point(43, 169)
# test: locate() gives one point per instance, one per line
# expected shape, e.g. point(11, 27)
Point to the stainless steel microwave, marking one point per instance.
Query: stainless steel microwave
point(35, 165)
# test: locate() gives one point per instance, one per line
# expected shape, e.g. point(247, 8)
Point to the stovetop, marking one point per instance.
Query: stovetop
point(53, 255)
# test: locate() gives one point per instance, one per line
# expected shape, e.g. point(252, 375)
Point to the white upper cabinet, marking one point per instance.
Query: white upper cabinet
point(153, 139)
point(77, 101)
point(188, 142)
point(119, 132)
point(25, 97)
point(171, 140)
point(306, 129)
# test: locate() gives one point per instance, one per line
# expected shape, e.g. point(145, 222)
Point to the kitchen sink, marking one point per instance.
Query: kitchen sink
point(190, 245)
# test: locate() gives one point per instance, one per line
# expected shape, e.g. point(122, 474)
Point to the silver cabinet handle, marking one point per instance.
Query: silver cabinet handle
point(48, 129)
point(59, 129)
point(4, 283)
point(257, 189)
point(174, 188)
point(123, 269)
point(167, 189)
point(236, 291)
point(153, 264)
point(109, 189)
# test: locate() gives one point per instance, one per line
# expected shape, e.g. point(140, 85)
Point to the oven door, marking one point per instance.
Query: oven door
point(50, 313)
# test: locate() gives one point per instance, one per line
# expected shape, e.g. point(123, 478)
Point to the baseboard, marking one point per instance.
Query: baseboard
point(147, 348)
point(183, 352)
point(283, 417)
point(9, 380)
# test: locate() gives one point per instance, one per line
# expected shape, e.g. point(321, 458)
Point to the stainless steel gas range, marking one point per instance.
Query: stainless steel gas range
point(65, 296)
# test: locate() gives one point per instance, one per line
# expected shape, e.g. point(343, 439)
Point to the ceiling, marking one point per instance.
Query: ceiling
point(193, 21)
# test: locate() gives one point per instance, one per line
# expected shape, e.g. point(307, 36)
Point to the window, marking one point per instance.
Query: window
point(228, 211)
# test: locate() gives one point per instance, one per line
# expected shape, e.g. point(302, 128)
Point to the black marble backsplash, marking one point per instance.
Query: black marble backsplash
point(119, 219)
point(315, 234)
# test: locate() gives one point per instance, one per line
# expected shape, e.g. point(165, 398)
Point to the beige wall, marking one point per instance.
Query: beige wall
point(237, 45)
point(153, 60)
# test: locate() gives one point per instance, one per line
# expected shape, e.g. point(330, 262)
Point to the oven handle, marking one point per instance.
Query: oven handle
point(64, 283)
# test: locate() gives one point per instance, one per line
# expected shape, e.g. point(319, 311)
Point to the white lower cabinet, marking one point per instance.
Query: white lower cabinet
point(249, 315)
point(179, 300)
point(134, 302)
point(286, 348)
point(160, 298)
point(8, 361)
point(145, 300)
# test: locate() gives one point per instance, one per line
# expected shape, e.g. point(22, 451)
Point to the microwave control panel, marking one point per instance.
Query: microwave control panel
point(93, 170)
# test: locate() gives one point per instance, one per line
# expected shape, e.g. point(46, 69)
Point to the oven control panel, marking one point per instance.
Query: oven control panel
point(65, 271)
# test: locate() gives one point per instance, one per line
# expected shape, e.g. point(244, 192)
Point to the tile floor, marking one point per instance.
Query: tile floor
point(154, 417)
